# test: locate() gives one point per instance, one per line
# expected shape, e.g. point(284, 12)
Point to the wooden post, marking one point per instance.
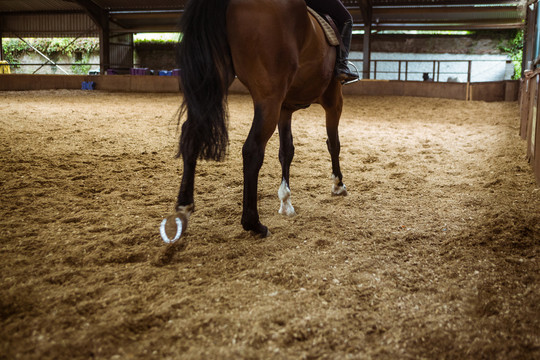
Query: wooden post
point(1, 35)
point(100, 16)
point(367, 11)
point(406, 69)
point(366, 68)
point(104, 45)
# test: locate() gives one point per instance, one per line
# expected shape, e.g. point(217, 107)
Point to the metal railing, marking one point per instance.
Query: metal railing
point(437, 70)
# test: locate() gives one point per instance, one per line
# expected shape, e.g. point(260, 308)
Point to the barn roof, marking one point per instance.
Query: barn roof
point(34, 18)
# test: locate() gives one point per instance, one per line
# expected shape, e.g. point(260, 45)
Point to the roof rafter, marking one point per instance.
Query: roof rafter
point(98, 14)
point(366, 7)
point(163, 15)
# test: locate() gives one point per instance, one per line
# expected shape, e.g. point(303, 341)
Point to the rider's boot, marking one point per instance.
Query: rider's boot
point(343, 73)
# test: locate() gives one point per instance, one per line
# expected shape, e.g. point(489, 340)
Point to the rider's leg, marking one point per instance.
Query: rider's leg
point(343, 19)
point(343, 72)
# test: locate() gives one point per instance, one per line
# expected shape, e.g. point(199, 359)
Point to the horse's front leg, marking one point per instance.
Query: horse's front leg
point(333, 144)
point(264, 125)
point(286, 154)
point(333, 105)
point(334, 147)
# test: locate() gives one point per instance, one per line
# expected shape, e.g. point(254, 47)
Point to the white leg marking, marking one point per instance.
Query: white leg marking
point(336, 188)
point(284, 194)
point(187, 210)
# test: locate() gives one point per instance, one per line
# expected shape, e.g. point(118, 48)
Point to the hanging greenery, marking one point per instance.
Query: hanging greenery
point(514, 48)
point(81, 67)
point(13, 47)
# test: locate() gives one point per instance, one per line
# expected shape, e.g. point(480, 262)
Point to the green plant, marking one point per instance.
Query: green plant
point(13, 48)
point(155, 41)
point(81, 67)
point(514, 48)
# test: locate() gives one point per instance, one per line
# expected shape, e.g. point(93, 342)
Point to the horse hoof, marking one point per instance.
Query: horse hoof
point(263, 234)
point(341, 191)
point(338, 188)
point(257, 230)
point(173, 227)
point(287, 210)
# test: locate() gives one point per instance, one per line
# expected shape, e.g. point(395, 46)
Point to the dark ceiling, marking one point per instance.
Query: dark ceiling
point(70, 17)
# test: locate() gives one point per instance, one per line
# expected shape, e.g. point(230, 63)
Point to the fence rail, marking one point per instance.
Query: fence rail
point(437, 70)
point(394, 69)
point(40, 68)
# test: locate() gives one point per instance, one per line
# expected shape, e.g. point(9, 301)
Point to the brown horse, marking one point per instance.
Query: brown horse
point(280, 53)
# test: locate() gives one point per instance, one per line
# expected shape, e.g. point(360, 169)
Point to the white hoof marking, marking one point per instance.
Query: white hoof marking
point(284, 194)
point(336, 188)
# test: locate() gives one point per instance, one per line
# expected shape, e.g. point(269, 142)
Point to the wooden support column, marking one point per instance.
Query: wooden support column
point(366, 8)
point(104, 45)
point(1, 36)
point(528, 41)
point(367, 52)
point(100, 17)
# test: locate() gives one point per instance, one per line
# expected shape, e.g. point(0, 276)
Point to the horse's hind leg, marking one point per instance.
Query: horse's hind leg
point(264, 125)
point(175, 225)
point(332, 103)
point(185, 201)
point(286, 154)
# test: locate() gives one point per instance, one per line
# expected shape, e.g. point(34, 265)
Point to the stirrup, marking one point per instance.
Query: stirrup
point(345, 82)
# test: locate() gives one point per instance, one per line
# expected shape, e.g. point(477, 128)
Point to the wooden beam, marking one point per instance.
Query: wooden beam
point(367, 10)
point(165, 15)
point(367, 52)
point(93, 10)
point(470, 10)
point(367, 13)
point(1, 35)
point(460, 26)
point(101, 17)
point(528, 41)
point(104, 48)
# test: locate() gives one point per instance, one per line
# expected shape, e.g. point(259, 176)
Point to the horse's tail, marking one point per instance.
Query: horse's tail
point(206, 72)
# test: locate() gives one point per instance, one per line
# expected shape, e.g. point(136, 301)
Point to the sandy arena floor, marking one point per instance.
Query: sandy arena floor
point(433, 255)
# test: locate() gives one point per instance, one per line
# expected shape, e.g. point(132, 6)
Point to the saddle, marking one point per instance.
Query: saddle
point(332, 34)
